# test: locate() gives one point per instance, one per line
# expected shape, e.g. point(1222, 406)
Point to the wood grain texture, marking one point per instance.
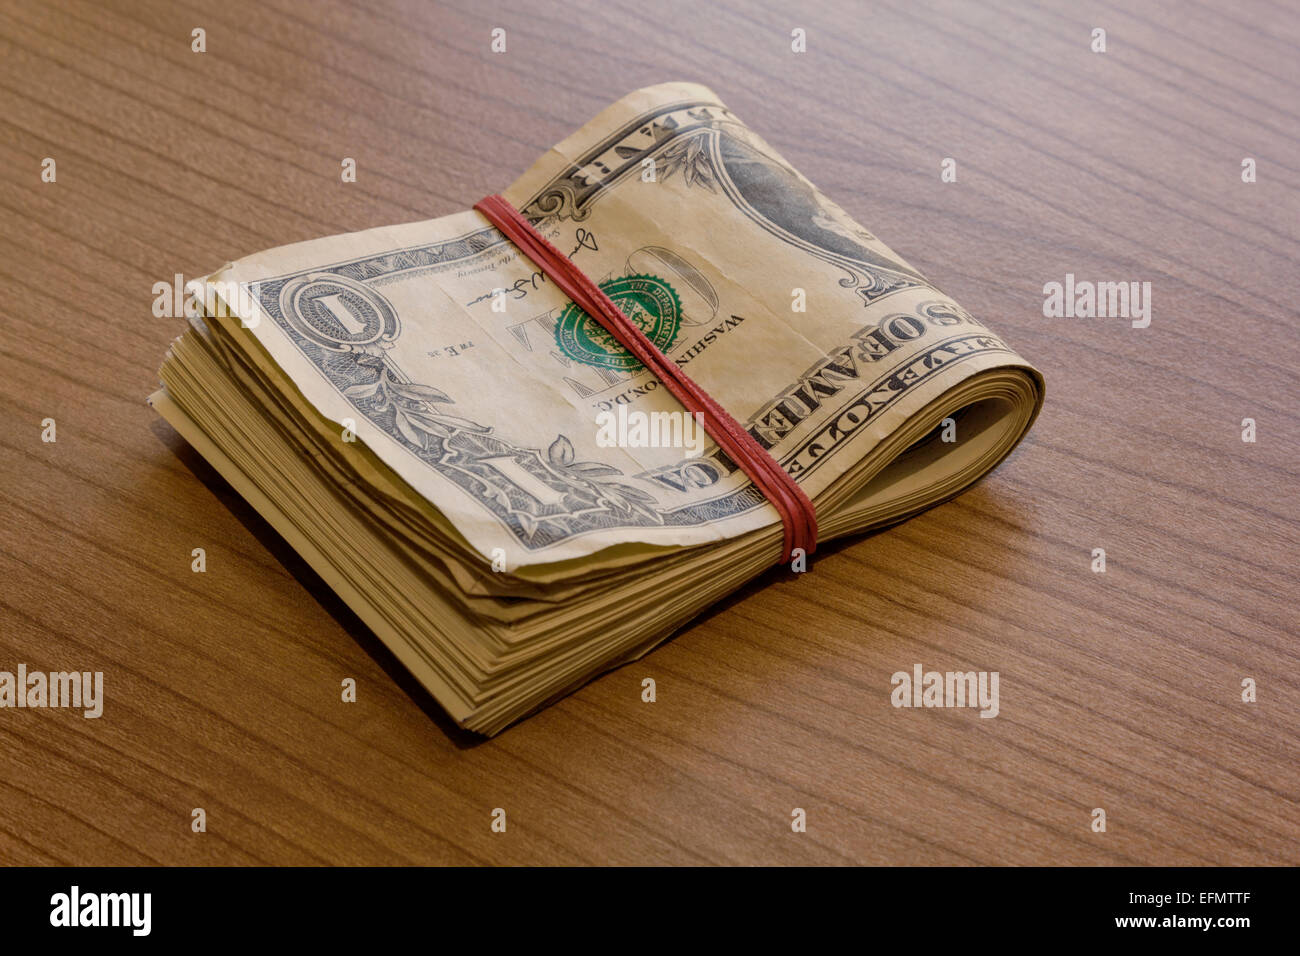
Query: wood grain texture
point(1118, 690)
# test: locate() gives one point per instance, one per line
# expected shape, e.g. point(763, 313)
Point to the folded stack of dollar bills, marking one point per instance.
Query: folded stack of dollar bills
point(502, 492)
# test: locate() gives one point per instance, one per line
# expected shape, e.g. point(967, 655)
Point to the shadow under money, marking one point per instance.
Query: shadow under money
point(312, 582)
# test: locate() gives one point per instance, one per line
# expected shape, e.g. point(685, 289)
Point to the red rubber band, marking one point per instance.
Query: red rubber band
point(784, 493)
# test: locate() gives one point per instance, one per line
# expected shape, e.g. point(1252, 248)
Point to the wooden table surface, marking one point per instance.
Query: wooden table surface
point(1119, 690)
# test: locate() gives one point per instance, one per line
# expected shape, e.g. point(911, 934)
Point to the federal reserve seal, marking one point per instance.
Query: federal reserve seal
point(647, 300)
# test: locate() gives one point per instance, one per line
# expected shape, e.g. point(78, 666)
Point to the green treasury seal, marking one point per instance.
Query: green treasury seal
point(647, 300)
